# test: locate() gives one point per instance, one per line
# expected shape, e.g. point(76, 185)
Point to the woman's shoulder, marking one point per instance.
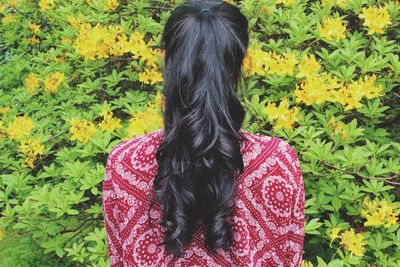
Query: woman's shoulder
point(135, 142)
point(279, 146)
point(136, 154)
point(271, 152)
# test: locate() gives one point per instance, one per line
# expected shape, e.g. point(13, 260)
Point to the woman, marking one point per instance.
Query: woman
point(202, 191)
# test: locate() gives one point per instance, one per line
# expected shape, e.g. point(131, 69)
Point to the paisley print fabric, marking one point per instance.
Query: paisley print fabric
point(268, 210)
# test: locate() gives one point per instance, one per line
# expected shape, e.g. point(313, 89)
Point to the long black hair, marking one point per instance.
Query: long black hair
point(199, 157)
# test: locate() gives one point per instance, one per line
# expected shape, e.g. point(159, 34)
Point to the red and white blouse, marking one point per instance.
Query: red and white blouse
point(267, 222)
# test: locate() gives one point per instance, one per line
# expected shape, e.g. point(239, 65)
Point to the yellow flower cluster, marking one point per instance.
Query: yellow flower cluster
point(379, 212)
point(9, 18)
point(96, 42)
point(75, 20)
point(333, 234)
point(255, 61)
point(355, 91)
point(351, 241)
point(5, 110)
point(339, 3)
point(46, 4)
point(2, 130)
point(281, 116)
point(53, 81)
point(109, 123)
point(308, 66)
point(20, 127)
point(376, 19)
point(111, 5)
point(34, 28)
point(322, 87)
point(13, 3)
point(32, 83)
point(338, 128)
point(148, 120)
point(316, 89)
point(81, 130)
point(282, 65)
point(305, 263)
point(260, 62)
point(31, 148)
point(285, 2)
point(332, 29)
point(150, 76)
point(101, 42)
point(34, 40)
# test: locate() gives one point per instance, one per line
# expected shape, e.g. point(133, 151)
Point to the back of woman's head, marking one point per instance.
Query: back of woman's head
point(198, 159)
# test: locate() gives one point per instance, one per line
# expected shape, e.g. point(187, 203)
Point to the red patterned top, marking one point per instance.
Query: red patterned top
point(268, 218)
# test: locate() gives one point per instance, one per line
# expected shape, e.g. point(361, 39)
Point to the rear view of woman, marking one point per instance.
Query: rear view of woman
point(202, 191)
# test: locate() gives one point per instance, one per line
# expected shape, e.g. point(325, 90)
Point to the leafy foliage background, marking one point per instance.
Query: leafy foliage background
point(77, 77)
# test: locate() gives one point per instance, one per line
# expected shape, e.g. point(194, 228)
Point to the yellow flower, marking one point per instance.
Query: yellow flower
point(9, 18)
point(334, 234)
point(353, 242)
point(332, 29)
point(305, 263)
point(316, 89)
point(13, 3)
point(20, 127)
point(285, 2)
point(379, 213)
point(339, 3)
point(353, 93)
point(31, 148)
point(338, 128)
point(2, 130)
point(75, 21)
point(53, 81)
point(150, 76)
point(145, 122)
point(95, 42)
point(65, 40)
point(111, 4)
point(46, 4)
point(1, 233)
point(5, 110)
point(282, 65)
point(281, 116)
point(136, 45)
point(255, 61)
point(109, 123)
point(376, 19)
point(34, 28)
point(368, 87)
point(81, 130)
point(31, 83)
point(2, 7)
point(159, 101)
point(309, 66)
point(33, 40)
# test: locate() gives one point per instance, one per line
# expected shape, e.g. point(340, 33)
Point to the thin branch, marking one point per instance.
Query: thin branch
point(385, 179)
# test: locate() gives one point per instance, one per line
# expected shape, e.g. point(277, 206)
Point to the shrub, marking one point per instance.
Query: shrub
point(78, 77)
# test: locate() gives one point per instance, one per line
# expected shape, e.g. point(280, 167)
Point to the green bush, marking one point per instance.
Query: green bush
point(78, 77)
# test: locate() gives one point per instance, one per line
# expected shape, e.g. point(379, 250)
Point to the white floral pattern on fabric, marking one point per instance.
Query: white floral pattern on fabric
point(277, 194)
point(268, 209)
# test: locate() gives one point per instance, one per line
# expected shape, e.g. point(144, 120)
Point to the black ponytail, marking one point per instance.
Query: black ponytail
point(198, 159)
